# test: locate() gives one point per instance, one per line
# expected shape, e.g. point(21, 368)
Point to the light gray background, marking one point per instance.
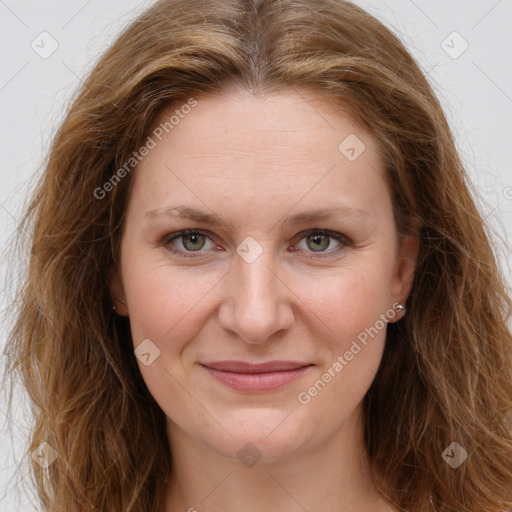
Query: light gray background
point(475, 89)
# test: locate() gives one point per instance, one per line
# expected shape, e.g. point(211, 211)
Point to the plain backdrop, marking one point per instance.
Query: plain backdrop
point(463, 46)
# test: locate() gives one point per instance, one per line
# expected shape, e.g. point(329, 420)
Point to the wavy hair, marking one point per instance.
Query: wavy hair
point(446, 373)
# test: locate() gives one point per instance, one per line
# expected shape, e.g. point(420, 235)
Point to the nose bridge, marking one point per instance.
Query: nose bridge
point(256, 302)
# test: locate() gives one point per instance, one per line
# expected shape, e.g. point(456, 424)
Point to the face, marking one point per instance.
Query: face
point(267, 275)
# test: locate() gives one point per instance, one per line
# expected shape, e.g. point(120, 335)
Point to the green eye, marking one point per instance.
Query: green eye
point(317, 241)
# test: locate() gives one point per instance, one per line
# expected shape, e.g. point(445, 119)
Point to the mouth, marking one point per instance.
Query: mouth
point(256, 378)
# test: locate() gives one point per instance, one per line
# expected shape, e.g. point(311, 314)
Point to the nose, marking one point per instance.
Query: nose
point(256, 301)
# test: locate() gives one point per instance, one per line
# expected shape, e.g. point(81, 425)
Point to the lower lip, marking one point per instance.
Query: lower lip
point(257, 382)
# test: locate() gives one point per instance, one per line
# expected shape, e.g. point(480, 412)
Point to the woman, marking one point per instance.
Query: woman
point(258, 279)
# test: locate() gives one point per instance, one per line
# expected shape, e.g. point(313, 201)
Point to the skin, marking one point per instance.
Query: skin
point(255, 162)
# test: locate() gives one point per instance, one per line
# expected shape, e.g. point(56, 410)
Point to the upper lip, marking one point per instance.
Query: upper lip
point(243, 367)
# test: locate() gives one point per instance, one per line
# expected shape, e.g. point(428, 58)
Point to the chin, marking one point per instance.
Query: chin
point(269, 435)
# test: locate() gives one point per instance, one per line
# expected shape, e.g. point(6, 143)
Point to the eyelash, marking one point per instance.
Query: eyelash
point(167, 239)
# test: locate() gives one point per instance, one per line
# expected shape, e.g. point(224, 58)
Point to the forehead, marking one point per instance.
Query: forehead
point(235, 148)
point(237, 121)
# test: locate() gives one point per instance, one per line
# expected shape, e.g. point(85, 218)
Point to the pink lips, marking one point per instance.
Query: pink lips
point(256, 378)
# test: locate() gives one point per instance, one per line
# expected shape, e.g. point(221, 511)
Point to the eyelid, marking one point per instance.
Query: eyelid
point(339, 237)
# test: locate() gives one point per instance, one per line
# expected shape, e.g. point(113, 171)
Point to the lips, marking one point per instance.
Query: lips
point(256, 378)
point(242, 367)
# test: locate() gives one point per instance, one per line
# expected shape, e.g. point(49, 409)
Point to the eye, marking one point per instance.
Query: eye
point(320, 240)
point(193, 241)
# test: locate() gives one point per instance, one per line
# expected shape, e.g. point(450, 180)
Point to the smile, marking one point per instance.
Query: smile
point(256, 378)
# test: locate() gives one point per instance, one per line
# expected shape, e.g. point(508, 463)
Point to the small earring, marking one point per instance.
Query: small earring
point(400, 308)
point(120, 300)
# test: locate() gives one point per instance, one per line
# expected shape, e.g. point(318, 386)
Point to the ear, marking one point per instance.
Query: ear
point(117, 292)
point(406, 265)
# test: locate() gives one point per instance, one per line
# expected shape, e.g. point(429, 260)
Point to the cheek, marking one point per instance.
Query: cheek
point(350, 347)
point(351, 305)
point(165, 302)
point(346, 299)
point(167, 306)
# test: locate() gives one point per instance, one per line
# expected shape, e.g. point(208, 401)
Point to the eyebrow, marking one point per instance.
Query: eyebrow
point(191, 213)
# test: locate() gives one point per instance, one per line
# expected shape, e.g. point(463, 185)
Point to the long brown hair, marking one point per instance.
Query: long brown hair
point(446, 374)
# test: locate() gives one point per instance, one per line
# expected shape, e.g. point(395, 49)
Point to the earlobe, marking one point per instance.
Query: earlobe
point(117, 294)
